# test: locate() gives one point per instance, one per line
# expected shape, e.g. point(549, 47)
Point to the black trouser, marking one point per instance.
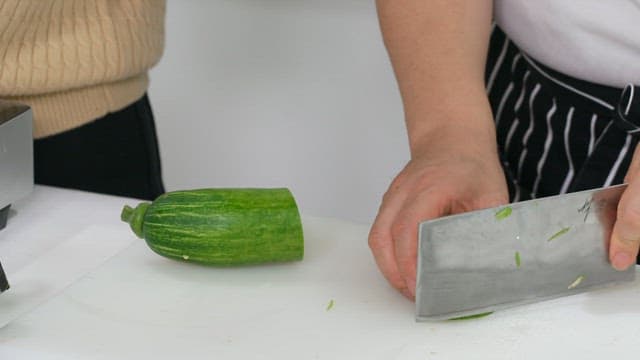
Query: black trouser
point(116, 154)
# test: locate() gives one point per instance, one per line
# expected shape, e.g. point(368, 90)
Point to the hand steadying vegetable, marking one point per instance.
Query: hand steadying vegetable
point(454, 164)
point(446, 179)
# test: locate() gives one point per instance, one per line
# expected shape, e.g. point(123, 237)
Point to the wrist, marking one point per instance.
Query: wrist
point(450, 110)
point(462, 134)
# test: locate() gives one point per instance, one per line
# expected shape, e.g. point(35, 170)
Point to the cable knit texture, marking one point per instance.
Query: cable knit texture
point(73, 61)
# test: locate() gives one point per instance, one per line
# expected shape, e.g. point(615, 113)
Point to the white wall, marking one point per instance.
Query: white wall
point(292, 93)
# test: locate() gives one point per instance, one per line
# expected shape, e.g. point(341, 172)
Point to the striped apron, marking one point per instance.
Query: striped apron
point(557, 134)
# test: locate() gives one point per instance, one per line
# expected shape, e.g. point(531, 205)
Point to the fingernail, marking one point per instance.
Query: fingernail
point(406, 293)
point(621, 261)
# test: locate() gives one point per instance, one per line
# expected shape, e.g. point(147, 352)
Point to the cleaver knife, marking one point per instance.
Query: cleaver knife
point(535, 250)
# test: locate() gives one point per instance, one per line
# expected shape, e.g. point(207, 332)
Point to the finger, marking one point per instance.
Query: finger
point(381, 242)
point(625, 238)
point(427, 205)
point(634, 167)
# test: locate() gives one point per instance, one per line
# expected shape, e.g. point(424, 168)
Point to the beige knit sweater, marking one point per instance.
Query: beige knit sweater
point(73, 61)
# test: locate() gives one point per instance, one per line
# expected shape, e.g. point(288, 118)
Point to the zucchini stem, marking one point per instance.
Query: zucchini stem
point(135, 217)
point(127, 213)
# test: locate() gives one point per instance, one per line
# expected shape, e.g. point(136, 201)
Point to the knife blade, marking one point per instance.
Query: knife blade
point(535, 250)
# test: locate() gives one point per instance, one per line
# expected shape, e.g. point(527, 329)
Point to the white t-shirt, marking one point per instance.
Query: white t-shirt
point(593, 40)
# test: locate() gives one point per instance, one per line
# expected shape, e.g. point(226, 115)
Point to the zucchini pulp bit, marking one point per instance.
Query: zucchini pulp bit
point(474, 316)
point(330, 305)
point(504, 213)
point(559, 233)
point(576, 282)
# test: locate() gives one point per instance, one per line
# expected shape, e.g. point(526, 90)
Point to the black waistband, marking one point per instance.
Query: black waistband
point(621, 105)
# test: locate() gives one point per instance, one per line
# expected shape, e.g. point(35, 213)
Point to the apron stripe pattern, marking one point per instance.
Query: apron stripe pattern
point(557, 134)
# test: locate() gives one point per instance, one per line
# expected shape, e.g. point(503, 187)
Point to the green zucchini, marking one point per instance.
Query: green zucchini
point(221, 226)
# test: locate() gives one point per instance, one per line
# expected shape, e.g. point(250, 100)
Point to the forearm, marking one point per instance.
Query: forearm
point(438, 51)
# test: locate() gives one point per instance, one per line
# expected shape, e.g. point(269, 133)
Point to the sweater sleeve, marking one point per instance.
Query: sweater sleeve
point(73, 61)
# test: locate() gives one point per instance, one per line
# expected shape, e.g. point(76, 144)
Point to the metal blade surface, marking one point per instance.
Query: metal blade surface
point(530, 251)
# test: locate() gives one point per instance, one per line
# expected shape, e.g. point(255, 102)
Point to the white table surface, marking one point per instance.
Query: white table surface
point(83, 287)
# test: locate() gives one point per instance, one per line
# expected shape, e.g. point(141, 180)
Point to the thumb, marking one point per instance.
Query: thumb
point(625, 238)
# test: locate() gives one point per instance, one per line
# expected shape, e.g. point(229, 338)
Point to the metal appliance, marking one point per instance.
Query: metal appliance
point(16, 161)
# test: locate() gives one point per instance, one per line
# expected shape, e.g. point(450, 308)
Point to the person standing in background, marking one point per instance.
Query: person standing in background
point(544, 101)
point(81, 65)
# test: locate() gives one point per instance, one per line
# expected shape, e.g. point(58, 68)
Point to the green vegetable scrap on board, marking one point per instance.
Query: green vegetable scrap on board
point(504, 213)
point(330, 305)
point(518, 259)
point(559, 233)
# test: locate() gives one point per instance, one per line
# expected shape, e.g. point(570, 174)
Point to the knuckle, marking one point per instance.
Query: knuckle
point(378, 239)
point(387, 197)
point(426, 180)
point(396, 187)
point(406, 264)
point(400, 229)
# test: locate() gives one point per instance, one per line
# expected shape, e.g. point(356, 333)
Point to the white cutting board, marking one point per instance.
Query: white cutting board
point(139, 305)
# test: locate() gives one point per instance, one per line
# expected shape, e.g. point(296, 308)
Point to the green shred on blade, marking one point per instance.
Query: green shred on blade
point(576, 282)
point(504, 213)
point(559, 233)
